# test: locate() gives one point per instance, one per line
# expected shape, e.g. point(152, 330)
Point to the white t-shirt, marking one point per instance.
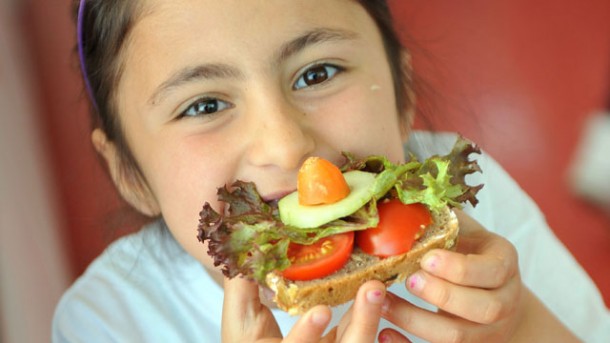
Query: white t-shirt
point(146, 288)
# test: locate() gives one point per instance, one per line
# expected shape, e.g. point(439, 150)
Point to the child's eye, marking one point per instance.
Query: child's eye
point(315, 75)
point(205, 106)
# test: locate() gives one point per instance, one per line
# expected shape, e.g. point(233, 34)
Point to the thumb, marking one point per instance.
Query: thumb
point(240, 296)
point(243, 315)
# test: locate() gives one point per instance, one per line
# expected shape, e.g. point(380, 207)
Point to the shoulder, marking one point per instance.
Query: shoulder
point(427, 143)
point(139, 289)
point(111, 286)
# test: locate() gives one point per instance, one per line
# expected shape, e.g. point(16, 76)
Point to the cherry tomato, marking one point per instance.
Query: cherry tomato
point(398, 227)
point(320, 259)
point(320, 182)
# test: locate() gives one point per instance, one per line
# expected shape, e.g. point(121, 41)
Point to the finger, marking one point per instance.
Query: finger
point(475, 239)
point(241, 297)
point(474, 304)
point(429, 326)
point(393, 336)
point(344, 322)
point(243, 315)
point(483, 259)
point(310, 327)
point(491, 269)
point(365, 313)
point(331, 336)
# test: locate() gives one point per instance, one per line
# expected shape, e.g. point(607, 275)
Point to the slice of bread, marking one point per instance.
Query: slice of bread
point(296, 297)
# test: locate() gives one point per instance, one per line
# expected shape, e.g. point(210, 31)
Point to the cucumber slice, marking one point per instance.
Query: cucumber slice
point(294, 214)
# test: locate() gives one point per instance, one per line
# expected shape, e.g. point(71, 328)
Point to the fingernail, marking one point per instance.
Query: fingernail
point(268, 293)
point(431, 262)
point(375, 296)
point(320, 318)
point(385, 338)
point(385, 308)
point(416, 282)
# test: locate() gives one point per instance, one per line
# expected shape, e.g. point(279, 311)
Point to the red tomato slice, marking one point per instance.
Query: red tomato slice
point(398, 227)
point(320, 259)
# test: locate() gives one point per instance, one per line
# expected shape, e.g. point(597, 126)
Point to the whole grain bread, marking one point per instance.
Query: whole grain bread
point(296, 297)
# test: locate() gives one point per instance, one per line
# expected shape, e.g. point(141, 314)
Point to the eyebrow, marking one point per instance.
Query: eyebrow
point(313, 37)
point(191, 74)
point(224, 71)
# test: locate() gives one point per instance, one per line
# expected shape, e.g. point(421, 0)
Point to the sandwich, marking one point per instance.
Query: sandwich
point(367, 219)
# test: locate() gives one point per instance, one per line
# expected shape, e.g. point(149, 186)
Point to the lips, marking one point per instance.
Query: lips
point(275, 196)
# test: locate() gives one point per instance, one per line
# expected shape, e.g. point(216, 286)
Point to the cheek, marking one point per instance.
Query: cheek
point(185, 173)
point(363, 120)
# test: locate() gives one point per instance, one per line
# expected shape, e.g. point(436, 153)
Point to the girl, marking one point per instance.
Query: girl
point(190, 95)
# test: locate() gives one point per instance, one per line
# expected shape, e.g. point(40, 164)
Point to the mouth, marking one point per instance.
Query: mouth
point(273, 198)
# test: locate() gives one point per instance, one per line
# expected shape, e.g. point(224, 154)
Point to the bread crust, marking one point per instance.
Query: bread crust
point(296, 297)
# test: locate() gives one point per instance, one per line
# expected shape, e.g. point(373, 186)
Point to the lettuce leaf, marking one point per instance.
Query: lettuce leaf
point(251, 240)
point(437, 182)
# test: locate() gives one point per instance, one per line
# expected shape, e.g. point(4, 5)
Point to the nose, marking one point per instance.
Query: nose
point(282, 138)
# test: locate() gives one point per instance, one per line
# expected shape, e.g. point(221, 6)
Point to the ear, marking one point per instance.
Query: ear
point(407, 114)
point(129, 183)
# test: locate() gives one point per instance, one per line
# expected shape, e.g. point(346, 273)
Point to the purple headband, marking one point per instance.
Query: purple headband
point(81, 54)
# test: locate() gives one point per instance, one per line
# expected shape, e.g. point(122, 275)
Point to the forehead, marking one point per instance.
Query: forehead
point(246, 12)
point(171, 34)
point(227, 25)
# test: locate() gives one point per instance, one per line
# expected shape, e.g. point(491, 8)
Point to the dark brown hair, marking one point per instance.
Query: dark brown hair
point(395, 53)
point(106, 28)
point(106, 25)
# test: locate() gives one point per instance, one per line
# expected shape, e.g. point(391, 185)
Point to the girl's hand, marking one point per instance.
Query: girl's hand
point(478, 291)
point(246, 319)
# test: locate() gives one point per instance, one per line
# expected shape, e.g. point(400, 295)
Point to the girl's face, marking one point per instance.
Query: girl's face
point(214, 91)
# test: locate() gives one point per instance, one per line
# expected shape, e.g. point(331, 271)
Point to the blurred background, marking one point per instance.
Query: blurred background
point(525, 79)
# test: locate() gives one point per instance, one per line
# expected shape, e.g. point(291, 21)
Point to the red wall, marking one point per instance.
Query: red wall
point(517, 76)
point(520, 77)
